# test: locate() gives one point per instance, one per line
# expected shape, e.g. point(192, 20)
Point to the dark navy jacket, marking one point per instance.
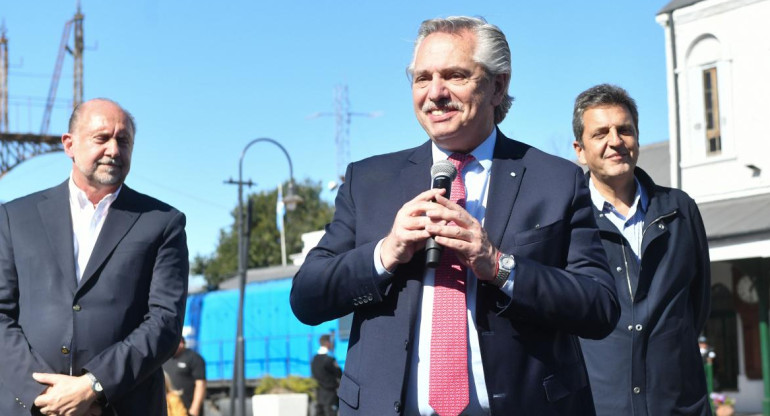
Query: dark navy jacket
point(539, 210)
point(651, 363)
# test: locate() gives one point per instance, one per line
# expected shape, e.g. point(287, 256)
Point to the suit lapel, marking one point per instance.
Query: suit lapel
point(505, 180)
point(57, 222)
point(415, 177)
point(120, 219)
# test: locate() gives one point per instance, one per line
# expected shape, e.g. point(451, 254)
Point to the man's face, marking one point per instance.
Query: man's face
point(610, 144)
point(100, 146)
point(453, 97)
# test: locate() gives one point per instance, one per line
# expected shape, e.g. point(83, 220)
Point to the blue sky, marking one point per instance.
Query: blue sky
point(204, 78)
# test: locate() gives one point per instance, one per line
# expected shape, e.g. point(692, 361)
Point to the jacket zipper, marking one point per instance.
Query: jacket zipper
point(625, 258)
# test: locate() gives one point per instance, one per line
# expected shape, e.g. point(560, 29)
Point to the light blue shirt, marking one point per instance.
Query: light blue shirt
point(631, 226)
point(476, 178)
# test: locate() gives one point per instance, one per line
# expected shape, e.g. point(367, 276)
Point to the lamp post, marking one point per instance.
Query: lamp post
point(238, 407)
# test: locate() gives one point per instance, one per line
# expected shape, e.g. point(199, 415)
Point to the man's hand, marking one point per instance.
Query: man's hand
point(66, 395)
point(408, 234)
point(454, 228)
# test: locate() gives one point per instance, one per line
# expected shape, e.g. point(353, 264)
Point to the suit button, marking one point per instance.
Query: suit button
point(661, 226)
point(65, 350)
point(76, 308)
point(637, 390)
point(397, 406)
point(630, 327)
point(619, 269)
point(638, 327)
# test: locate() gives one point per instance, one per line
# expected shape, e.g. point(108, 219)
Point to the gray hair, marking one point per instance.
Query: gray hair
point(597, 96)
point(492, 50)
point(78, 111)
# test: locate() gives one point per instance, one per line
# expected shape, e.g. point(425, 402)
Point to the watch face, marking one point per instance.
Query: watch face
point(746, 291)
point(507, 262)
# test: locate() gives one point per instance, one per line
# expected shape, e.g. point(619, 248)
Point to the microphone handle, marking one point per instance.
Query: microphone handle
point(432, 248)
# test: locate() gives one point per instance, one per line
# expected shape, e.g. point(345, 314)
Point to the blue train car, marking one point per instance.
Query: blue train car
point(276, 343)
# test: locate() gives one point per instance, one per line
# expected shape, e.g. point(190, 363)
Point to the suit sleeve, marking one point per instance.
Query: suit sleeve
point(122, 366)
point(700, 288)
point(17, 359)
point(337, 275)
point(576, 293)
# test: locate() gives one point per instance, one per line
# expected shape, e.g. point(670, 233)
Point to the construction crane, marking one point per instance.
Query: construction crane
point(15, 148)
point(342, 115)
point(77, 54)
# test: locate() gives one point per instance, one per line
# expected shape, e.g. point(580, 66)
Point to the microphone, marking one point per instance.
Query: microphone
point(442, 174)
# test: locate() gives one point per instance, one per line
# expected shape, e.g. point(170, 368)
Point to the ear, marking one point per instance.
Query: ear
point(500, 84)
point(66, 141)
point(579, 152)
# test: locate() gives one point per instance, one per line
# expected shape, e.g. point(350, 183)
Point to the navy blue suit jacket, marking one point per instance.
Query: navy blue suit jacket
point(121, 322)
point(539, 210)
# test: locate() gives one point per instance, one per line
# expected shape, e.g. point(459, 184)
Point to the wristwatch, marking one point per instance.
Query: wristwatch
point(96, 386)
point(505, 264)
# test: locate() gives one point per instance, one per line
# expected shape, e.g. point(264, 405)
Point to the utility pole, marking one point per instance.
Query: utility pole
point(3, 80)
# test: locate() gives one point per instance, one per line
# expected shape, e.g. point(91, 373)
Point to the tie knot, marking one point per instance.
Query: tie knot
point(460, 160)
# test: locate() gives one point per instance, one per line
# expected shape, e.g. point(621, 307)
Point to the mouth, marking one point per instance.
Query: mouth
point(114, 163)
point(442, 108)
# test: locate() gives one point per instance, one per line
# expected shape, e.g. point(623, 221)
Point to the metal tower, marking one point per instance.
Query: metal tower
point(15, 148)
point(342, 115)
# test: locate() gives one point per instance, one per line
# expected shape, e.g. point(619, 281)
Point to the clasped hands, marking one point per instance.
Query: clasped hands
point(431, 214)
point(66, 395)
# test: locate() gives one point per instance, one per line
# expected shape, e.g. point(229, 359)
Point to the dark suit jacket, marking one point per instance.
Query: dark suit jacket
point(120, 323)
point(327, 373)
point(538, 209)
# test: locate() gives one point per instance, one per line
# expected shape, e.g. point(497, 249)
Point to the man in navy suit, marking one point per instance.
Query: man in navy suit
point(536, 276)
point(93, 279)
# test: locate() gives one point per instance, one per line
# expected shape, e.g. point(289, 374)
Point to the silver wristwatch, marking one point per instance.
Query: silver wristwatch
point(505, 265)
point(96, 386)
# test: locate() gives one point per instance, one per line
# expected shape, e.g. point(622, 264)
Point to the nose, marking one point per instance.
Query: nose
point(112, 149)
point(437, 89)
point(613, 138)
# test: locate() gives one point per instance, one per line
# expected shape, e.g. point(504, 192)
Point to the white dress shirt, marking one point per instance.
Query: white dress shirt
point(87, 223)
point(476, 178)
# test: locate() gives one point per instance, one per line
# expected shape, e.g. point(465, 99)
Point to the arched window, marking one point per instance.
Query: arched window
point(708, 110)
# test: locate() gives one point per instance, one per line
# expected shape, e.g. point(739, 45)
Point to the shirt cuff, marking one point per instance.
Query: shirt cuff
point(378, 266)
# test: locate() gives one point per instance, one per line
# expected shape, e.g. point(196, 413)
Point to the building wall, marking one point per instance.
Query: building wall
point(732, 36)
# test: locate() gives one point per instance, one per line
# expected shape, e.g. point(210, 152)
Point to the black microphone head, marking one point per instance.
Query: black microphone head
point(443, 168)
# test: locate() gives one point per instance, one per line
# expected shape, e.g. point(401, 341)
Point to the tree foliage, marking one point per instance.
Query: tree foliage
point(265, 239)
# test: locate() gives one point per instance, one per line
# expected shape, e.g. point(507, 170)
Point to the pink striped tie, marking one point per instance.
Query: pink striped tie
point(448, 386)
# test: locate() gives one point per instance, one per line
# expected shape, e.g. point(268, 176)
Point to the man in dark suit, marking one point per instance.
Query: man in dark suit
point(327, 373)
point(93, 279)
point(656, 242)
point(522, 254)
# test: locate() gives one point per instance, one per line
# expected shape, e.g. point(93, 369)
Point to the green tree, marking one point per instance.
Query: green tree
point(265, 239)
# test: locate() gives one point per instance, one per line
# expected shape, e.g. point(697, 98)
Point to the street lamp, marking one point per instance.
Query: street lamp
point(291, 200)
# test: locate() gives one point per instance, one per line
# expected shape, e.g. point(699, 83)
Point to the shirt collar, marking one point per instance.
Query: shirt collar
point(640, 197)
point(482, 153)
point(79, 196)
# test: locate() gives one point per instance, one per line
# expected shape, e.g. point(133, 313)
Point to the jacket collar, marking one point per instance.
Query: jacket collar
point(54, 210)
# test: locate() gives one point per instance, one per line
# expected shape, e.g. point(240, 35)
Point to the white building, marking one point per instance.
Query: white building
point(718, 58)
